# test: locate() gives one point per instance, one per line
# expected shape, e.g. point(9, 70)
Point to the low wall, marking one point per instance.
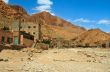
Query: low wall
point(27, 42)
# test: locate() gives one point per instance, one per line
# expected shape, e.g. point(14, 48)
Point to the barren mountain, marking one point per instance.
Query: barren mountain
point(92, 37)
point(56, 27)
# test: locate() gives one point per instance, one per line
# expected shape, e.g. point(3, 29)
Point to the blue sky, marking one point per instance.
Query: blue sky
point(85, 13)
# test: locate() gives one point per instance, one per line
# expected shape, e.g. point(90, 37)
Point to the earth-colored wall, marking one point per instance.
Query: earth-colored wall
point(28, 42)
point(5, 34)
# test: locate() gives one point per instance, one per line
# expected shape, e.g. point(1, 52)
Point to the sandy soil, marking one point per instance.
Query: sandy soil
point(56, 60)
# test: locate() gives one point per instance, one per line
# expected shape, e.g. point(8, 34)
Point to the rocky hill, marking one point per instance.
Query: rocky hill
point(56, 27)
point(5, 10)
point(19, 10)
point(11, 11)
point(92, 37)
point(8, 13)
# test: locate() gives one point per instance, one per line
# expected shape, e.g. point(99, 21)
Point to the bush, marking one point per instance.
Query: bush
point(17, 47)
point(46, 42)
point(42, 46)
point(4, 47)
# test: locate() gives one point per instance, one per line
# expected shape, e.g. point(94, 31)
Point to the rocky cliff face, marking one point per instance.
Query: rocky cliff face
point(5, 10)
point(11, 11)
point(19, 10)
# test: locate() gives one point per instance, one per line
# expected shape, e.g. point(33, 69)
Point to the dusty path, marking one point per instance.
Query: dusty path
point(56, 60)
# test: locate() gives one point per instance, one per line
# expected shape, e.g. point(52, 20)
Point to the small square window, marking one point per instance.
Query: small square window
point(34, 26)
point(20, 27)
point(29, 26)
point(3, 39)
point(34, 33)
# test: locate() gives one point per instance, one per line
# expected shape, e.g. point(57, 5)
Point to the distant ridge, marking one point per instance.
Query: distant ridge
point(92, 37)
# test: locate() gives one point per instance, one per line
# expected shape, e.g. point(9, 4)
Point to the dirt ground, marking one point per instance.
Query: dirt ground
point(56, 60)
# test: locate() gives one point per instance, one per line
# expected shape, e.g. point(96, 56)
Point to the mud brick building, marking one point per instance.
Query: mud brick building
point(27, 27)
point(7, 37)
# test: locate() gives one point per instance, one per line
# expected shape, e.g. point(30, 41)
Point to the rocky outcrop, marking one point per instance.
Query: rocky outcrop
point(11, 11)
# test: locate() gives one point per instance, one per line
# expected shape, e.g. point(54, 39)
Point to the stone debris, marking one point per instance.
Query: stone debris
point(55, 60)
point(4, 60)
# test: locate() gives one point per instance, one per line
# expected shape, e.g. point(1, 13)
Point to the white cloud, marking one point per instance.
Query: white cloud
point(69, 20)
point(83, 20)
point(44, 5)
point(104, 21)
point(6, 1)
point(45, 2)
point(43, 8)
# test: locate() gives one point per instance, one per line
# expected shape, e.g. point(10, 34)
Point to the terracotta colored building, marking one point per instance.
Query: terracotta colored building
point(7, 37)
